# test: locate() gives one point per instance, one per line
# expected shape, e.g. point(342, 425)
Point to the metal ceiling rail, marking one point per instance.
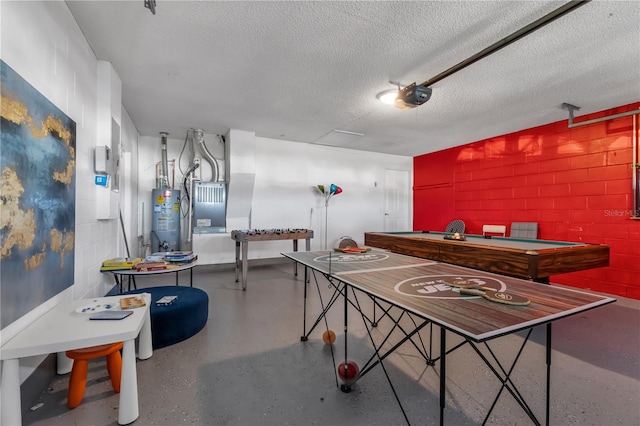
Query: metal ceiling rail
point(552, 16)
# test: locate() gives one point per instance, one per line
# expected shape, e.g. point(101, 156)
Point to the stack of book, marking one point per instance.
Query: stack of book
point(120, 263)
point(150, 266)
point(155, 257)
point(180, 257)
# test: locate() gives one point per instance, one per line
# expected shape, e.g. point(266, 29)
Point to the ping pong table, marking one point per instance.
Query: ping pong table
point(398, 287)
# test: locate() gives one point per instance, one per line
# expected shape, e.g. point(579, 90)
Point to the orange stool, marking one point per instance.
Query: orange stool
point(81, 357)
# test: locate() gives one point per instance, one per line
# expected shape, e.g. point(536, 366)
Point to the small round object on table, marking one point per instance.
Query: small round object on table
point(182, 319)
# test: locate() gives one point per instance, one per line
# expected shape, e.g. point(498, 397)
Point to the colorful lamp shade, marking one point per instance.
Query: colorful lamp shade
point(329, 192)
point(333, 189)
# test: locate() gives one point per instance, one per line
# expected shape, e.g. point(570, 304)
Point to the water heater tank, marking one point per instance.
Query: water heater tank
point(165, 220)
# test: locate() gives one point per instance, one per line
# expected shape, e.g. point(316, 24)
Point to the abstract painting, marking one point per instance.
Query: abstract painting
point(37, 198)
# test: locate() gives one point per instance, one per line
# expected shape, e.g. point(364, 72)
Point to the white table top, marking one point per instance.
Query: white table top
point(62, 329)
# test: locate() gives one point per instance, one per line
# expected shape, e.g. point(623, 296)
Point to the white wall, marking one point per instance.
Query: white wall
point(42, 43)
point(285, 194)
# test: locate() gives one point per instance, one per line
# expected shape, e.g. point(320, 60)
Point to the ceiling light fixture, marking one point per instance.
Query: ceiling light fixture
point(388, 97)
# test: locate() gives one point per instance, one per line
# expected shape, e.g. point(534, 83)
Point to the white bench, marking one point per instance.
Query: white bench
point(494, 229)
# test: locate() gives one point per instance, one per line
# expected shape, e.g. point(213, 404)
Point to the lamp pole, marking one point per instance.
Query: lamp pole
point(327, 193)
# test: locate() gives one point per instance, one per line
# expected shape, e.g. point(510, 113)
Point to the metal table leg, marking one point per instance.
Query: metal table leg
point(237, 259)
point(443, 381)
point(245, 264)
point(295, 264)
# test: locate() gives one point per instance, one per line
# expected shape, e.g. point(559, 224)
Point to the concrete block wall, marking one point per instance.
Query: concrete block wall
point(576, 183)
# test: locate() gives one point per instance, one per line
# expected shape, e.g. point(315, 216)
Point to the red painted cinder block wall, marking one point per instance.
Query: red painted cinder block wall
point(576, 183)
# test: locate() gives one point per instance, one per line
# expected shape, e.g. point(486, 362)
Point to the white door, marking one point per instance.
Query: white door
point(396, 200)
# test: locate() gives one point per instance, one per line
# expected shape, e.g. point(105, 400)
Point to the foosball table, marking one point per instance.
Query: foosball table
point(243, 236)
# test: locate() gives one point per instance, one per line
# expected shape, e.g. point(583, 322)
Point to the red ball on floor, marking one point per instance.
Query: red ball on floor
point(348, 372)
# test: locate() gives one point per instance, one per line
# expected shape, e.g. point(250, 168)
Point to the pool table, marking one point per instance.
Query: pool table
point(517, 257)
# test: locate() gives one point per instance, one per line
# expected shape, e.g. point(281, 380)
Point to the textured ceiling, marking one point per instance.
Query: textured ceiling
point(299, 70)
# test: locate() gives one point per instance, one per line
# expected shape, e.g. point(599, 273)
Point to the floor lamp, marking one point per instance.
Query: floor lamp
point(328, 193)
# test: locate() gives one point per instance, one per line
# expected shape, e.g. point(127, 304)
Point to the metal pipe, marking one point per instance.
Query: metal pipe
point(601, 119)
point(636, 170)
point(635, 165)
point(190, 215)
point(199, 137)
point(165, 166)
point(552, 16)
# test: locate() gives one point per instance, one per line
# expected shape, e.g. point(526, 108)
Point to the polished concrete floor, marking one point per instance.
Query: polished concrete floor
point(248, 366)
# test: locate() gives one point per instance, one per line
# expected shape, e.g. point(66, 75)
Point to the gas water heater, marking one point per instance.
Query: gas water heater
point(165, 231)
point(165, 217)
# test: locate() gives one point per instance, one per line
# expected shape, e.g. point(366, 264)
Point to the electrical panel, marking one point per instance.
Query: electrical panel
point(103, 160)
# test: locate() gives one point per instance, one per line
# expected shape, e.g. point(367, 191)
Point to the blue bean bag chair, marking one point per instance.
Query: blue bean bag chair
point(183, 318)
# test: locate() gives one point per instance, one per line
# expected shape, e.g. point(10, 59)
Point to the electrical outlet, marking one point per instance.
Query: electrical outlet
point(197, 171)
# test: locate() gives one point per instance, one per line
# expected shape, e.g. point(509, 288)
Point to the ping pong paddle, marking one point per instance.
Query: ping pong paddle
point(496, 296)
point(488, 293)
point(352, 249)
point(467, 285)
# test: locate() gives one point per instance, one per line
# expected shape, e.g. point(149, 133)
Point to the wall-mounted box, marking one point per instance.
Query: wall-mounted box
point(103, 160)
point(107, 163)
